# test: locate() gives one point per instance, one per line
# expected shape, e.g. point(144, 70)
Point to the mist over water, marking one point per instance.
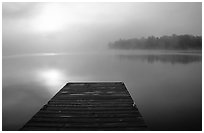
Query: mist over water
point(166, 87)
point(46, 45)
point(87, 27)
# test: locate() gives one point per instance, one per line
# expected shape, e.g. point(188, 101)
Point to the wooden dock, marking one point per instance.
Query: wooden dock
point(100, 106)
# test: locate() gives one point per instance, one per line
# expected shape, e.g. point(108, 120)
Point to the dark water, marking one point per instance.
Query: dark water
point(167, 87)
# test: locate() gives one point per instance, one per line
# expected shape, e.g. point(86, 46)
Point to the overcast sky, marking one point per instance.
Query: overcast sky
point(68, 27)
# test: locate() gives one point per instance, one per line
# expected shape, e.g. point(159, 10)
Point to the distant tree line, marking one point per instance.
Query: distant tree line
point(180, 42)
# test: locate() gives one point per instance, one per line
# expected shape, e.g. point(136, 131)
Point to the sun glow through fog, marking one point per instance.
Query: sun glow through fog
point(54, 17)
point(52, 77)
point(51, 19)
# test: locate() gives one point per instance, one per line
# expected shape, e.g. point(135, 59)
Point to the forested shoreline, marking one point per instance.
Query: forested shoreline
point(173, 42)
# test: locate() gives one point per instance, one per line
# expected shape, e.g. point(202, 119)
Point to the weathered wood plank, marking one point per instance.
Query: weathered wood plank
point(85, 115)
point(92, 106)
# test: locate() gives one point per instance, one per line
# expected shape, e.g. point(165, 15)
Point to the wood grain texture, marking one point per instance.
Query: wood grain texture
point(92, 106)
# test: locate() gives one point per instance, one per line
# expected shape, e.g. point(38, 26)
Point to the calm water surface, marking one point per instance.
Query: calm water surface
point(166, 86)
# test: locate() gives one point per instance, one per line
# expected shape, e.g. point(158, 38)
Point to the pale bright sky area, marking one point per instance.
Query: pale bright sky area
point(68, 27)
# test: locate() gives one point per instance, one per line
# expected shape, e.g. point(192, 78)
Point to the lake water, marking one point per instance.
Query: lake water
point(166, 86)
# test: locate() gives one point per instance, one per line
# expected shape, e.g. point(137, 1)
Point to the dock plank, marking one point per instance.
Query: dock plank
point(92, 106)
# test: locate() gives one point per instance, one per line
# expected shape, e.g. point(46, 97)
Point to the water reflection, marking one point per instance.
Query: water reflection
point(28, 83)
point(20, 101)
point(165, 58)
point(166, 102)
point(51, 77)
